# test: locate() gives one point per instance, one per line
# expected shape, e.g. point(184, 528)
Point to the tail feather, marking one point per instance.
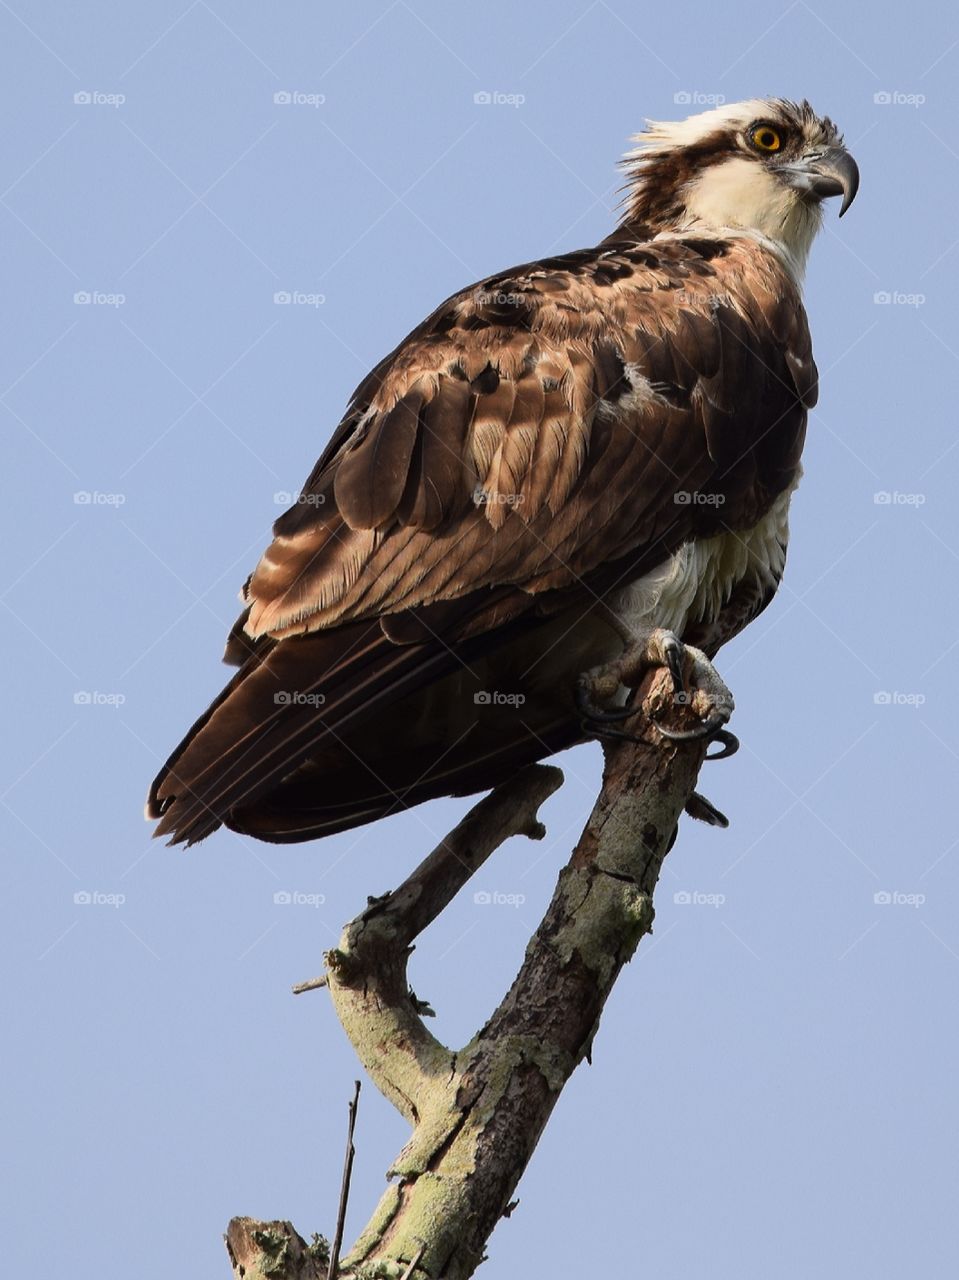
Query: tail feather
point(273, 714)
point(293, 812)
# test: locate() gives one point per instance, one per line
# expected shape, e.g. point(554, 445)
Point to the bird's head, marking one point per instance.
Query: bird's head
point(761, 166)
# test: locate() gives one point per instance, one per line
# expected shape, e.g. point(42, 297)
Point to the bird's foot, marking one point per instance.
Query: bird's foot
point(696, 684)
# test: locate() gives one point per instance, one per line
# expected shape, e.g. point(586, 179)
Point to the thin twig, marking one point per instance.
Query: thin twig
point(311, 984)
point(344, 1188)
point(414, 1264)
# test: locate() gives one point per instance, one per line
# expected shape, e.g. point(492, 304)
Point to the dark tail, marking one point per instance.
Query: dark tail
point(324, 732)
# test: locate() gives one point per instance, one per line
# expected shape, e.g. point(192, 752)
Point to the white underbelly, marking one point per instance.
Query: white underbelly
point(696, 582)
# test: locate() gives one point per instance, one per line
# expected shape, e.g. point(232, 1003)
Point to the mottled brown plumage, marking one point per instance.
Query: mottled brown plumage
point(496, 481)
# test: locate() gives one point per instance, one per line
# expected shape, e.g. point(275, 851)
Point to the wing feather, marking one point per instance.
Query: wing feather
point(533, 445)
point(541, 423)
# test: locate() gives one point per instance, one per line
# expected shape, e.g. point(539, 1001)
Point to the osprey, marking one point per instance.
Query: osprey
point(570, 471)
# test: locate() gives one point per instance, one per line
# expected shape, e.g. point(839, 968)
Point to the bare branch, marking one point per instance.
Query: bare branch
point(478, 1113)
point(367, 972)
point(311, 984)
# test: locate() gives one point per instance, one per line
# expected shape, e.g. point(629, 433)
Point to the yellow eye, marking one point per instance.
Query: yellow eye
point(765, 138)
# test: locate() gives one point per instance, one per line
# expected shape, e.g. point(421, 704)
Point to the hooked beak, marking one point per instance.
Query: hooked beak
point(829, 172)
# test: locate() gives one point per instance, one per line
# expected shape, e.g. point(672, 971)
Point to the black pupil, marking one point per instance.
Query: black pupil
point(767, 139)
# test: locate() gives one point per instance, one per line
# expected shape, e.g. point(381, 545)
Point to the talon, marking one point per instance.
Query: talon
point(730, 745)
point(703, 810)
point(703, 692)
point(673, 655)
point(589, 711)
point(711, 727)
point(601, 731)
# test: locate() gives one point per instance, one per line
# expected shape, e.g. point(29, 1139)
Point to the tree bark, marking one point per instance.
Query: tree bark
point(478, 1112)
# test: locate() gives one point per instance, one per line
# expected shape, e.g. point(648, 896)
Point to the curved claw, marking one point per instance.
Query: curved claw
point(597, 714)
point(708, 728)
point(730, 745)
point(697, 806)
point(606, 733)
point(673, 654)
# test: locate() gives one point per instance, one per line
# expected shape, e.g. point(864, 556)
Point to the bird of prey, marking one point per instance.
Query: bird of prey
point(571, 471)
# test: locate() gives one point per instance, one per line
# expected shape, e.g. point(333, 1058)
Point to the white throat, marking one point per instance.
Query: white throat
point(741, 195)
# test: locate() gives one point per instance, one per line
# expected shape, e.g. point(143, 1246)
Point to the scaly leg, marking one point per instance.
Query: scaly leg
point(703, 690)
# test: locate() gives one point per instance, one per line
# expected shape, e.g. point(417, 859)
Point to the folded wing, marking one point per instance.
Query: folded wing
point(523, 448)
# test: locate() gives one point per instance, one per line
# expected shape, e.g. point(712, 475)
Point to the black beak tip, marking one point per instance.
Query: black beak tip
point(849, 174)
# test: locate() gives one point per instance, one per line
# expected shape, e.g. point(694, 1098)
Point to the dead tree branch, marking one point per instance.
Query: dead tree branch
point(478, 1112)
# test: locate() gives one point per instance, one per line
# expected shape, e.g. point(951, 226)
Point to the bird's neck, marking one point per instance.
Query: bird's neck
point(733, 198)
point(792, 252)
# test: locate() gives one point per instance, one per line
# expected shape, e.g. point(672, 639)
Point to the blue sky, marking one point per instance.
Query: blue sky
point(773, 1086)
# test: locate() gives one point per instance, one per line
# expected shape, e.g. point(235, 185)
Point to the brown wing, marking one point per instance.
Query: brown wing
point(522, 449)
point(540, 425)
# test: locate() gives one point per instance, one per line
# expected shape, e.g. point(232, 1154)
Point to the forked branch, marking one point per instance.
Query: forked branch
point(478, 1112)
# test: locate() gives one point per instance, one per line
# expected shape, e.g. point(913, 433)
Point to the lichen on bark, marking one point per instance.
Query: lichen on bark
point(478, 1112)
